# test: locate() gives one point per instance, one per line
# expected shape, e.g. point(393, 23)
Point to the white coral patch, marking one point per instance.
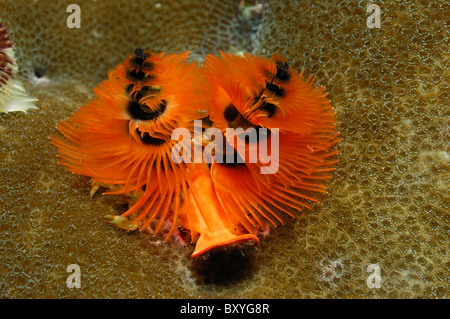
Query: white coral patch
point(13, 96)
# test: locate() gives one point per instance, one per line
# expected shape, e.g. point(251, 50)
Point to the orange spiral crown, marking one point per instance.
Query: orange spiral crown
point(123, 138)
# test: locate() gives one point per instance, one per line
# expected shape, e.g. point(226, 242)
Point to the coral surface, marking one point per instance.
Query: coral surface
point(388, 200)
